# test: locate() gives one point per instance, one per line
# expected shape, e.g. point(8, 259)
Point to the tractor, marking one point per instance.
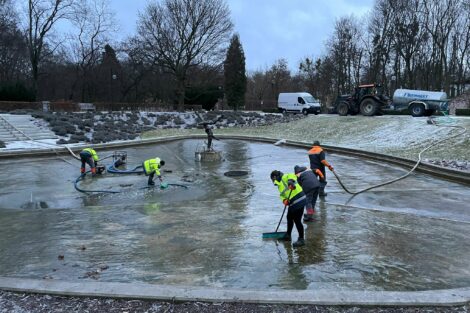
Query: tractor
point(366, 99)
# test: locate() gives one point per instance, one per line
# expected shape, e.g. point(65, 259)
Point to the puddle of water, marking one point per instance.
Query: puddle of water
point(412, 235)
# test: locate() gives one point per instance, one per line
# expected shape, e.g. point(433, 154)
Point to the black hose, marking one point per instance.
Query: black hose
point(112, 169)
point(79, 178)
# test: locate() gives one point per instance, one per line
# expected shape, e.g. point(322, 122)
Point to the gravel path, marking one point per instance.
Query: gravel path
point(22, 303)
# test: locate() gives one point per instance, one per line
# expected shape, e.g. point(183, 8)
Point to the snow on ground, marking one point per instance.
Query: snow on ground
point(30, 144)
point(44, 144)
point(402, 136)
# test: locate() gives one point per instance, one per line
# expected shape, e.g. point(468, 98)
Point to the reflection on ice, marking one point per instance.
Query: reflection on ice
point(411, 235)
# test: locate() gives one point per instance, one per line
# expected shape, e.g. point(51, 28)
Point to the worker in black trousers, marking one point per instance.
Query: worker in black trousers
point(293, 196)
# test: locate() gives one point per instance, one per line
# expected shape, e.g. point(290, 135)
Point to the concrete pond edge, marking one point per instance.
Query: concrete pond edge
point(143, 291)
point(430, 169)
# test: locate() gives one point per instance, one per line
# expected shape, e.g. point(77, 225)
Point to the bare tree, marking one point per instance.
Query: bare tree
point(318, 79)
point(280, 77)
point(179, 34)
point(440, 19)
point(138, 72)
point(408, 34)
point(258, 85)
point(346, 50)
point(13, 58)
point(308, 71)
point(380, 43)
point(93, 24)
point(460, 46)
point(42, 16)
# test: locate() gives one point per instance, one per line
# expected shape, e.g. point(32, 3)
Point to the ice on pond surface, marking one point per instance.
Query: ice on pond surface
point(411, 235)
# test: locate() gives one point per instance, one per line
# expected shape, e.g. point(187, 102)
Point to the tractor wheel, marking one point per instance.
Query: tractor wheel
point(343, 109)
point(369, 107)
point(417, 110)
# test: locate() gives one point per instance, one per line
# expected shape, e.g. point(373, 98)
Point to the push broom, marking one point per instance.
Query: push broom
point(276, 234)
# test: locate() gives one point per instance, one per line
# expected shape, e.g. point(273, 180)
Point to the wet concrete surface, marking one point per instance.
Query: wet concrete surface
point(411, 235)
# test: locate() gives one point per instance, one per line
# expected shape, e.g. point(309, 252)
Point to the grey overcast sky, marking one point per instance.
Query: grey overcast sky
point(270, 29)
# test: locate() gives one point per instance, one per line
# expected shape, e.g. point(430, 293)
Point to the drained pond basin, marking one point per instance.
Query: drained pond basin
point(411, 235)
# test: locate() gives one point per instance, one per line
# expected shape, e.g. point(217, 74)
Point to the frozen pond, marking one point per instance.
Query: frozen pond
point(411, 235)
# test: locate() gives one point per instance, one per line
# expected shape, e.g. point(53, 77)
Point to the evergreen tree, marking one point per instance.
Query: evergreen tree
point(235, 75)
point(110, 73)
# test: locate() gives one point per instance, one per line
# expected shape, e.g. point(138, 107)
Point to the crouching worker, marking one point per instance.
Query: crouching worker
point(291, 195)
point(311, 186)
point(90, 157)
point(152, 167)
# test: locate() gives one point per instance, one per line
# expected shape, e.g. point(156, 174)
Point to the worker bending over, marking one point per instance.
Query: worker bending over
point(311, 186)
point(89, 156)
point(291, 195)
point(152, 167)
point(316, 156)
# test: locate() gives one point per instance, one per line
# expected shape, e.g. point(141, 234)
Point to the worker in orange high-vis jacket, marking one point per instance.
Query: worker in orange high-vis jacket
point(316, 156)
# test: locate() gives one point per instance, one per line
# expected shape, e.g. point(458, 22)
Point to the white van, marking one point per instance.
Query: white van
point(298, 102)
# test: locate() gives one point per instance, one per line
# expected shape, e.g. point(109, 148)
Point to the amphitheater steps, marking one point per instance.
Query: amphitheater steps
point(22, 128)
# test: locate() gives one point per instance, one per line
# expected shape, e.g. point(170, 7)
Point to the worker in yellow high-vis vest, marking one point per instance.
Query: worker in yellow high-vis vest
point(293, 196)
point(90, 157)
point(152, 167)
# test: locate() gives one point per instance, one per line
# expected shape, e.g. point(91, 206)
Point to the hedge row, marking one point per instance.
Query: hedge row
point(17, 91)
point(462, 112)
point(394, 112)
point(271, 110)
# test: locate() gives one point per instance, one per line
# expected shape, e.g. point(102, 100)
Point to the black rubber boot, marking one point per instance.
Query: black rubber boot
point(299, 243)
point(151, 182)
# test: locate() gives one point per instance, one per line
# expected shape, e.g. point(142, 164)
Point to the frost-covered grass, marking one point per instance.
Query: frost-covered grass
point(402, 136)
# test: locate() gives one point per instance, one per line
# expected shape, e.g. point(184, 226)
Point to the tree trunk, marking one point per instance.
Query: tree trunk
point(181, 93)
